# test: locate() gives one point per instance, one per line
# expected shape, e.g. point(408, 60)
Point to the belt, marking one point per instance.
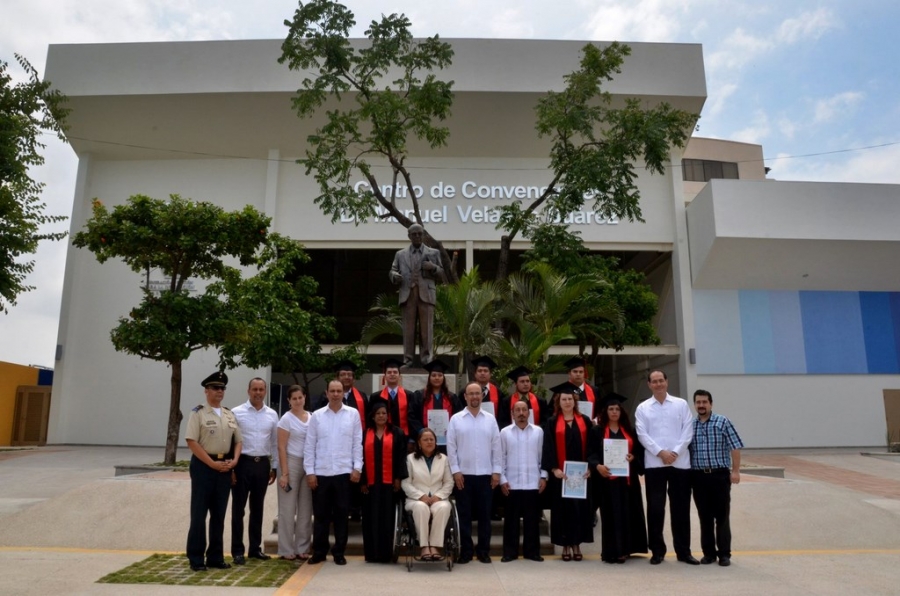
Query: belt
point(711, 470)
point(256, 458)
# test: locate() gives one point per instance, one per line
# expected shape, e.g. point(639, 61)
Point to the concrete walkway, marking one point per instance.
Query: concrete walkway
point(831, 526)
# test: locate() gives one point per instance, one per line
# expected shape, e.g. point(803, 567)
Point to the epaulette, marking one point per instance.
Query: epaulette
point(226, 409)
point(198, 408)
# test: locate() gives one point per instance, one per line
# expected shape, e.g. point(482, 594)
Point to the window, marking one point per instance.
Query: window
point(703, 170)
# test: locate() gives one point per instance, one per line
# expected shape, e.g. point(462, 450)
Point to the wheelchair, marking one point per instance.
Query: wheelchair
point(406, 539)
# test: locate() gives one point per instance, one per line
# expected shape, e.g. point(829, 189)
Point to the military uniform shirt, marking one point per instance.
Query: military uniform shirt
point(213, 432)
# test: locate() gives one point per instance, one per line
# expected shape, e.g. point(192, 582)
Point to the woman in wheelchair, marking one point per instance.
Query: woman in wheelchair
point(428, 487)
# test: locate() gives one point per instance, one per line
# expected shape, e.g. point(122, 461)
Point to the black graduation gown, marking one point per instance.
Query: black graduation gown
point(502, 416)
point(394, 409)
point(378, 506)
point(540, 416)
point(623, 528)
point(571, 520)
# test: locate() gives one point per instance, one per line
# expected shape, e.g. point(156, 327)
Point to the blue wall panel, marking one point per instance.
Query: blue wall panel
point(832, 332)
point(717, 318)
point(756, 331)
point(787, 333)
point(878, 331)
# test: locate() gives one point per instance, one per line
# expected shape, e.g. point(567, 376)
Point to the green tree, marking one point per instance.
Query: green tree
point(27, 110)
point(564, 250)
point(593, 146)
point(377, 125)
point(183, 240)
point(279, 315)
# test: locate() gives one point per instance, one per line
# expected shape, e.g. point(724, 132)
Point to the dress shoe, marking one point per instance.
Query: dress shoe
point(707, 560)
point(261, 556)
point(463, 560)
point(506, 559)
point(340, 560)
point(724, 561)
point(315, 559)
point(239, 560)
point(198, 567)
point(537, 558)
point(689, 559)
point(484, 558)
point(220, 565)
point(656, 559)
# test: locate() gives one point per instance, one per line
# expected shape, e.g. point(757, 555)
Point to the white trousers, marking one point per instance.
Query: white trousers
point(439, 513)
point(295, 512)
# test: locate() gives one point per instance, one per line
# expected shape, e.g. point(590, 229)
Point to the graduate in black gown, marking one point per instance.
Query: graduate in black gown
point(384, 466)
point(435, 396)
point(565, 439)
point(623, 529)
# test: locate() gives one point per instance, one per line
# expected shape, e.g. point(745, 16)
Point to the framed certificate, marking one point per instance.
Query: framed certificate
point(488, 406)
point(586, 408)
point(438, 421)
point(615, 452)
point(574, 485)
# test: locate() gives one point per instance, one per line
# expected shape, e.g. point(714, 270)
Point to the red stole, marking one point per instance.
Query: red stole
point(627, 438)
point(387, 457)
point(401, 405)
point(561, 438)
point(533, 403)
point(429, 405)
point(360, 405)
point(494, 396)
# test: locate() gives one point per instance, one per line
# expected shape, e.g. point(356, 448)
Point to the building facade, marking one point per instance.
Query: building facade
point(756, 278)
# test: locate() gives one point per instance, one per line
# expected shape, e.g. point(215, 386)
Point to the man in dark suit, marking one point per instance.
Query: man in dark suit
point(415, 268)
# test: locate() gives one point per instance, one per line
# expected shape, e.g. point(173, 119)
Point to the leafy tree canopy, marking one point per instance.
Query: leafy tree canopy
point(27, 110)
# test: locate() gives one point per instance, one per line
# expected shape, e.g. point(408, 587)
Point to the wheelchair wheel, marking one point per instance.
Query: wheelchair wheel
point(452, 539)
point(398, 532)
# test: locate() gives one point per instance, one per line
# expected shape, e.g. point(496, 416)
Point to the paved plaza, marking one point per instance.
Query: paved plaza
point(831, 526)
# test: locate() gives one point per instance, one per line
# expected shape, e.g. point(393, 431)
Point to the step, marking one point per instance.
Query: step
point(355, 541)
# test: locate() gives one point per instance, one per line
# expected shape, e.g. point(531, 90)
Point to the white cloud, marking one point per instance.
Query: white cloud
point(758, 130)
point(640, 20)
point(877, 165)
point(826, 109)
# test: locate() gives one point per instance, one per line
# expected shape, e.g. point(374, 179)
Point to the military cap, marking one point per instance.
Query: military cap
point(216, 379)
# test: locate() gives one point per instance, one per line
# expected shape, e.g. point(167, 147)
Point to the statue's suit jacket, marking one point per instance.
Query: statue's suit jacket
point(403, 266)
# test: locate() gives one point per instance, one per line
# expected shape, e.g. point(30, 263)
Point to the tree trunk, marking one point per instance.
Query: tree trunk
point(174, 414)
point(503, 261)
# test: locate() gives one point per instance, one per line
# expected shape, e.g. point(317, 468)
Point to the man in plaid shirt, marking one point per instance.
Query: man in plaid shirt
point(715, 466)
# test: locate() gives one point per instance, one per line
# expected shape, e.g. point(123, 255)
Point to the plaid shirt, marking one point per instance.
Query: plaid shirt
point(713, 443)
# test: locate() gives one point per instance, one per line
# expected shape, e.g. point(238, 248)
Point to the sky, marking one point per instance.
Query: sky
point(816, 83)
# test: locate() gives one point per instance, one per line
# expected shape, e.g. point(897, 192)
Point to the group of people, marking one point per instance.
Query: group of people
point(419, 448)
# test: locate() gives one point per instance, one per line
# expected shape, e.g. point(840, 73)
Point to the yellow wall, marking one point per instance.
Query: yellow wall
point(11, 376)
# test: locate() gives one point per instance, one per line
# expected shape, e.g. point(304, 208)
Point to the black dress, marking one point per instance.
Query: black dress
point(623, 529)
point(378, 506)
point(571, 520)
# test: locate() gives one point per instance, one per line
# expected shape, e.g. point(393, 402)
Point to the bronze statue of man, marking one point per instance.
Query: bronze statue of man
point(415, 269)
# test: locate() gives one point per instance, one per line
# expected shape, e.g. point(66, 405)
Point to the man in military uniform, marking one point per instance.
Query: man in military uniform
point(214, 439)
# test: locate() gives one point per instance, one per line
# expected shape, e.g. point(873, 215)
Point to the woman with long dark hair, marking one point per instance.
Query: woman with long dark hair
point(623, 530)
point(384, 466)
point(565, 439)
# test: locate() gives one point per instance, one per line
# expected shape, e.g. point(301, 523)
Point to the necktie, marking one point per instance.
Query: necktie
point(393, 393)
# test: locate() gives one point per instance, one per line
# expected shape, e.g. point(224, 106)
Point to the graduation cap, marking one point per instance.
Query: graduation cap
point(345, 365)
point(518, 372)
point(613, 398)
point(574, 362)
point(566, 387)
point(436, 366)
point(390, 363)
point(217, 379)
point(484, 361)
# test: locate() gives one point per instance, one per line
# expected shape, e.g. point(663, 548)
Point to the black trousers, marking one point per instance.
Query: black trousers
point(712, 496)
point(209, 495)
point(677, 483)
point(252, 481)
point(331, 505)
point(522, 504)
point(474, 502)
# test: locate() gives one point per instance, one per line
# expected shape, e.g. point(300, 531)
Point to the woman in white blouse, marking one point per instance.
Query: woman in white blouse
point(427, 489)
point(295, 496)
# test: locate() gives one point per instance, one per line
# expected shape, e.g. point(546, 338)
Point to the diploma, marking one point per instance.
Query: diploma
point(586, 408)
point(438, 421)
point(615, 452)
point(488, 406)
point(575, 484)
